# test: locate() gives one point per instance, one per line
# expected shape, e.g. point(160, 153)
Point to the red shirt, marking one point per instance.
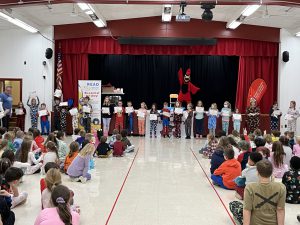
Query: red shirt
point(43, 185)
point(118, 148)
point(40, 143)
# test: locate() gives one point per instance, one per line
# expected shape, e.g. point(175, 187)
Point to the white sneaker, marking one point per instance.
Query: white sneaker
point(82, 179)
point(74, 179)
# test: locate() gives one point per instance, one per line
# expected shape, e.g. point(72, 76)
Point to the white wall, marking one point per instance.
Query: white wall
point(289, 73)
point(17, 46)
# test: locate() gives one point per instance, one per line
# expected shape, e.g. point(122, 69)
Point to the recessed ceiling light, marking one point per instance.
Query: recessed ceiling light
point(18, 23)
point(233, 25)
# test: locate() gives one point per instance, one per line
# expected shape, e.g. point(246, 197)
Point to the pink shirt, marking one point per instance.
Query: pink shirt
point(50, 216)
point(296, 150)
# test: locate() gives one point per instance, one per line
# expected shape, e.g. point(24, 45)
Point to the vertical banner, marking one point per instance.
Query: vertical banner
point(257, 90)
point(92, 89)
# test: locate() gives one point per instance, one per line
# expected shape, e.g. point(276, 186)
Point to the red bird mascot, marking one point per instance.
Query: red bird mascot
point(186, 87)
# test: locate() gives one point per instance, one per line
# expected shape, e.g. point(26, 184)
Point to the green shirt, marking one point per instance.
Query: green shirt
point(262, 200)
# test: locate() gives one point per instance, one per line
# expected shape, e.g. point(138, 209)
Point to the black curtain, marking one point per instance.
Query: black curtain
point(151, 78)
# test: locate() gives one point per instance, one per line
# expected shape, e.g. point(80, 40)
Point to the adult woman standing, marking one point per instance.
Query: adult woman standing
point(253, 114)
point(107, 112)
point(292, 116)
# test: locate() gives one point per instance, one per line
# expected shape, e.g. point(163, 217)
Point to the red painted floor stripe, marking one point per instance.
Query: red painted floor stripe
point(121, 189)
point(213, 188)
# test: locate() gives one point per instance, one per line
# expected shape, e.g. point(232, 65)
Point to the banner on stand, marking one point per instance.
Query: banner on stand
point(92, 89)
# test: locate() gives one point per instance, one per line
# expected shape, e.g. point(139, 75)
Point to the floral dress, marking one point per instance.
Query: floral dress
point(292, 122)
point(291, 180)
point(34, 109)
point(253, 120)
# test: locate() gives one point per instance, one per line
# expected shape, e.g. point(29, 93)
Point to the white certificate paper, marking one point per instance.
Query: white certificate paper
point(167, 114)
point(63, 104)
point(118, 109)
point(153, 117)
point(288, 117)
point(213, 112)
point(225, 113)
point(237, 116)
point(129, 109)
point(19, 111)
point(277, 112)
point(86, 109)
point(73, 111)
point(105, 110)
point(199, 109)
point(43, 113)
point(141, 114)
point(178, 110)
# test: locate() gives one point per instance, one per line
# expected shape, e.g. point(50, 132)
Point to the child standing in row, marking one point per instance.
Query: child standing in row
point(119, 125)
point(45, 126)
point(21, 113)
point(56, 115)
point(86, 114)
point(166, 120)
point(153, 120)
point(199, 120)
point(226, 113)
point(237, 119)
point(177, 120)
point(188, 121)
point(142, 113)
point(34, 108)
point(213, 114)
point(130, 118)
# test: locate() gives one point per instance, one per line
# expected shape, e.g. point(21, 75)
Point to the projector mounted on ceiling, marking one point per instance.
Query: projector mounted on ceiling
point(182, 17)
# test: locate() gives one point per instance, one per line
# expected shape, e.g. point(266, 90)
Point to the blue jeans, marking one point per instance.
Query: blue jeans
point(166, 122)
point(218, 180)
point(237, 125)
point(45, 125)
point(225, 126)
point(130, 123)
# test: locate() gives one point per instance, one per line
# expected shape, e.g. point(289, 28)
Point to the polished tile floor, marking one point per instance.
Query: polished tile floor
point(161, 183)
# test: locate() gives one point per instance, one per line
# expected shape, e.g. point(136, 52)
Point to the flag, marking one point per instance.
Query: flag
point(59, 72)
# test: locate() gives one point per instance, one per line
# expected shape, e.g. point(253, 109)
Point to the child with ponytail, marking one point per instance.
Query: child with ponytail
point(61, 213)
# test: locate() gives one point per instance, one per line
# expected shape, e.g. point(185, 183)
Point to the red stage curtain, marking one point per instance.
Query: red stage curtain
point(258, 59)
point(226, 47)
point(251, 68)
point(75, 67)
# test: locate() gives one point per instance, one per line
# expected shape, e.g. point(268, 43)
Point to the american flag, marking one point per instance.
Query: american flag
point(59, 72)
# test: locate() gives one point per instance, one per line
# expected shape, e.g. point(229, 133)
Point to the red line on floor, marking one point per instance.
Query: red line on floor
point(121, 189)
point(213, 188)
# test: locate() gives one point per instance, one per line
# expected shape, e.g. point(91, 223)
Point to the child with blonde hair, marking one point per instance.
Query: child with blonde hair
point(177, 120)
point(78, 170)
point(188, 121)
point(226, 113)
point(142, 114)
point(296, 148)
point(269, 142)
point(52, 179)
point(213, 114)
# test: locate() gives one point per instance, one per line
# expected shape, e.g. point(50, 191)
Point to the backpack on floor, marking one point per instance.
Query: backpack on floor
point(236, 209)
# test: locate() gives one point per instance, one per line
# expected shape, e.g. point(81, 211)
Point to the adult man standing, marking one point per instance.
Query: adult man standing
point(6, 100)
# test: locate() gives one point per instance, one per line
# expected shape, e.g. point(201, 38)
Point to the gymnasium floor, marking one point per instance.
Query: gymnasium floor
point(161, 183)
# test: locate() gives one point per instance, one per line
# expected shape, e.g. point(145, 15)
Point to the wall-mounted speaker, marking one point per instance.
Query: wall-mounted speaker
point(285, 56)
point(49, 53)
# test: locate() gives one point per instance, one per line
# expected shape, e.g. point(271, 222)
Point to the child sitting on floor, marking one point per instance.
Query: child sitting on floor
point(76, 134)
point(47, 167)
point(62, 147)
point(127, 144)
point(52, 179)
point(210, 146)
point(103, 150)
point(78, 170)
point(51, 155)
point(269, 141)
point(81, 139)
point(249, 174)
point(39, 140)
point(74, 149)
point(275, 135)
point(118, 146)
point(113, 138)
point(245, 152)
point(229, 170)
point(89, 138)
point(296, 148)
point(18, 140)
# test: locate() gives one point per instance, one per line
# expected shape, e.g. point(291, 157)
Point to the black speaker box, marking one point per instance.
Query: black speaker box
point(285, 56)
point(49, 53)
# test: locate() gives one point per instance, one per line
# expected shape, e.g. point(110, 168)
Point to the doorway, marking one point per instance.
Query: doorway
point(16, 85)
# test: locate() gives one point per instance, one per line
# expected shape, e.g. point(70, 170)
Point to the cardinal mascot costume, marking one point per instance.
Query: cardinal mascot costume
point(186, 87)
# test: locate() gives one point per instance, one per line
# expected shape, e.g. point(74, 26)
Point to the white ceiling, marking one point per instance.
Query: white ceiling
point(43, 15)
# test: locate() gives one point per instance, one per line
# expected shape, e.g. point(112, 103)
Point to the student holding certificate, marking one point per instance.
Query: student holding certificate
point(253, 114)
point(44, 114)
point(199, 119)
point(188, 121)
point(20, 113)
point(292, 116)
point(142, 113)
point(120, 115)
point(212, 114)
point(129, 121)
point(226, 114)
point(34, 108)
point(275, 115)
point(237, 118)
point(166, 120)
point(178, 113)
point(107, 112)
point(153, 120)
point(86, 114)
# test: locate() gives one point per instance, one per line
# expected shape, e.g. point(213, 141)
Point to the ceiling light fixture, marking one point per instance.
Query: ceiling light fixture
point(248, 11)
point(18, 23)
point(88, 9)
point(298, 34)
point(166, 13)
point(182, 17)
point(207, 15)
